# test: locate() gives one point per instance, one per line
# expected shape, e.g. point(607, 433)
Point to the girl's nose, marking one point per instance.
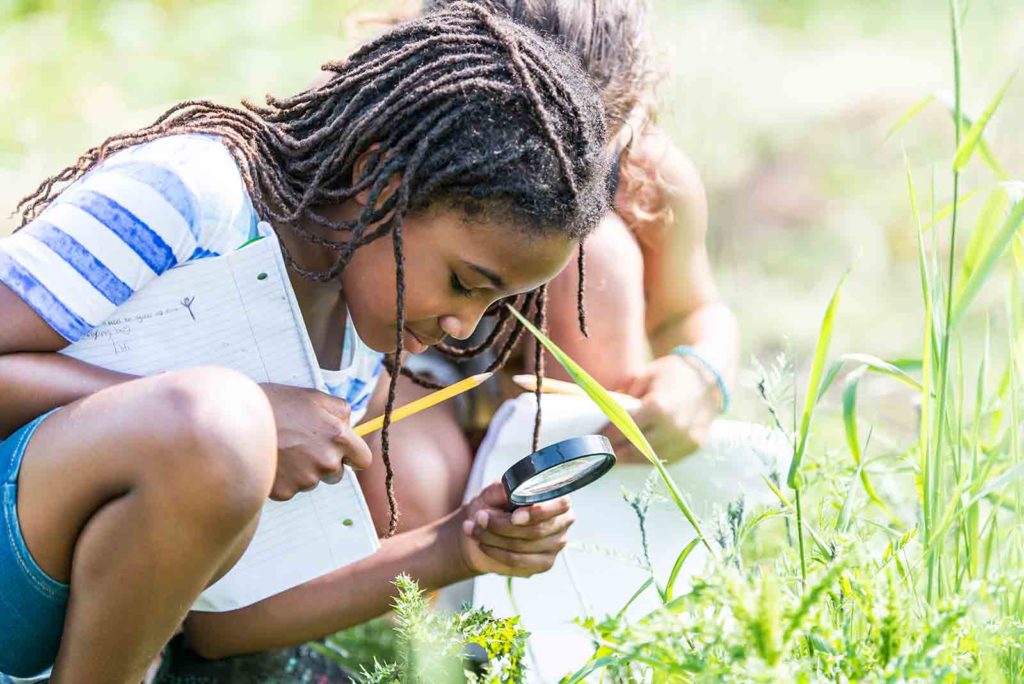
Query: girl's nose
point(453, 327)
point(461, 327)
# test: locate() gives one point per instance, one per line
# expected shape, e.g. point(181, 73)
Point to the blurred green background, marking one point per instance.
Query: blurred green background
point(782, 104)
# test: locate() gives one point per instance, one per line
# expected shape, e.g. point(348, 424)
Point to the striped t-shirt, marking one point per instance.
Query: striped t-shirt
point(141, 212)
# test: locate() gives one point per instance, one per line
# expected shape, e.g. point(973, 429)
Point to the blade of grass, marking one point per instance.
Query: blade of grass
point(817, 366)
point(636, 595)
point(907, 116)
point(966, 149)
point(943, 213)
point(992, 212)
point(872, 363)
point(984, 151)
point(987, 263)
point(819, 542)
point(621, 419)
point(933, 482)
point(846, 510)
point(677, 566)
point(853, 441)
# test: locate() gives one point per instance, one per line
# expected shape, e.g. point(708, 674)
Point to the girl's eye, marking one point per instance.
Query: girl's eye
point(458, 288)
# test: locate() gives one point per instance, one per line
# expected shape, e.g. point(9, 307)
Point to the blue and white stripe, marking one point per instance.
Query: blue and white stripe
point(106, 236)
point(143, 211)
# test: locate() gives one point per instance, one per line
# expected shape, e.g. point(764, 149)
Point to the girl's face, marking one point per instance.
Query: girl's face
point(454, 270)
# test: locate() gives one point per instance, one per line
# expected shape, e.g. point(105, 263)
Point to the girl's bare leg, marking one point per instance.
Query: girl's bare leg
point(141, 495)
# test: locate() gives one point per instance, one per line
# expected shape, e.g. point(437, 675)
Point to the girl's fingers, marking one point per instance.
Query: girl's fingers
point(501, 526)
point(547, 544)
point(355, 450)
point(520, 564)
point(493, 496)
point(533, 514)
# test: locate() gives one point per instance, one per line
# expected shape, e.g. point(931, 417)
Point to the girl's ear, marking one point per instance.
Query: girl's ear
point(359, 168)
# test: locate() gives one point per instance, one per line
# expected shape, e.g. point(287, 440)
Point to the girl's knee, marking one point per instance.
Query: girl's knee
point(216, 438)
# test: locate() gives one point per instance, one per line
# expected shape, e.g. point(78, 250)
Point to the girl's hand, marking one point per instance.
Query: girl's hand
point(679, 399)
point(314, 439)
point(519, 543)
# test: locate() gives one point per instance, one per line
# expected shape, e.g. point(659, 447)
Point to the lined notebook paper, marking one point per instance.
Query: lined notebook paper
point(239, 311)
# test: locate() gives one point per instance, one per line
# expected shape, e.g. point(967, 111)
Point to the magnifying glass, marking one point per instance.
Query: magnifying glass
point(558, 469)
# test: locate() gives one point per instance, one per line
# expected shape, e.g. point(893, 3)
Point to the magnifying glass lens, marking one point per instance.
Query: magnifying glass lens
point(560, 475)
point(558, 469)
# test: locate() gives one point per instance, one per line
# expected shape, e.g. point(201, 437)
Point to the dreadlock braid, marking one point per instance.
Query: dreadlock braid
point(463, 107)
point(540, 320)
point(581, 308)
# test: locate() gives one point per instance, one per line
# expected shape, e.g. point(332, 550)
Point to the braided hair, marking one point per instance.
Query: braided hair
point(469, 108)
point(608, 36)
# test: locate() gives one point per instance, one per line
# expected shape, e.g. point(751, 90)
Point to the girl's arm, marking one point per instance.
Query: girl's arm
point(479, 537)
point(34, 378)
point(681, 395)
point(649, 283)
point(349, 596)
point(671, 223)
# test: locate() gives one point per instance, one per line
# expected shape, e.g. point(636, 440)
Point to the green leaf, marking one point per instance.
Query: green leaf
point(993, 211)
point(620, 418)
point(947, 99)
point(914, 110)
point(853, 440)
point(636, 595)
point(943, 213)
point(822, 546)
point(817, 367)
point(846, 510)
point(677, 566)
point(1018, 251)
point(987, 262)
point(884, 367)
point(581, 674)
point(963, 155)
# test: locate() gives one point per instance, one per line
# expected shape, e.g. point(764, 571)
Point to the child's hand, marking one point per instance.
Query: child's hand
point(520, 543)
point(314, 439)
point(680, 400)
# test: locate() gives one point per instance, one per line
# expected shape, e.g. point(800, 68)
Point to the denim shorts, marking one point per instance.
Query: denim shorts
point(32, 604)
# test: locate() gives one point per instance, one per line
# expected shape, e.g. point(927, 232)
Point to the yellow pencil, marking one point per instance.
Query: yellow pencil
point(551, 386)
point(426, 402)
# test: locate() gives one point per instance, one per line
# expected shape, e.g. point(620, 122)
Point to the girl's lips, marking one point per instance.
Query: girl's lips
point(413, 343)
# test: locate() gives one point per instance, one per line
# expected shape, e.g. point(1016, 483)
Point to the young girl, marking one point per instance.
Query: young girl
point(649, 281)
point(455, 162)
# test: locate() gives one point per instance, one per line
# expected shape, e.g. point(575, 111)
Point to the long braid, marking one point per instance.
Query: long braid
point(385, 437)
point(465, 107)
point(540, 320)
point(581, 306)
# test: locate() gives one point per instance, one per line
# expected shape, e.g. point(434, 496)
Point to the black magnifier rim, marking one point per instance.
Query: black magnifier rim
point(553, 455)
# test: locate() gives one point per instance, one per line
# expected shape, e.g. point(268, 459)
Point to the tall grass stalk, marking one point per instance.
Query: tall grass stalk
point(933, 473)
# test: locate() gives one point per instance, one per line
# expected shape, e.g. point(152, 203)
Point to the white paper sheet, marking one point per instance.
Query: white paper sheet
point(239, 311)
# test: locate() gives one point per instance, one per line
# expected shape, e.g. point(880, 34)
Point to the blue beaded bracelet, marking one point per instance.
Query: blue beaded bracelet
point(686, 350)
